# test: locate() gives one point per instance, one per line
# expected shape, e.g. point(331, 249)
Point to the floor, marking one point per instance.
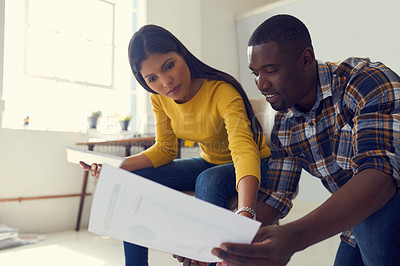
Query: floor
point(82, 248)
point(71, 248)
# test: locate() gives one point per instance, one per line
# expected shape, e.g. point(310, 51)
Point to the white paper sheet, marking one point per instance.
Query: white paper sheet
point(134, 209)
point(75, 155)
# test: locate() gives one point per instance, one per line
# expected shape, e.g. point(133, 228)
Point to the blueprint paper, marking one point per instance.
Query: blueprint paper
point(131, 208)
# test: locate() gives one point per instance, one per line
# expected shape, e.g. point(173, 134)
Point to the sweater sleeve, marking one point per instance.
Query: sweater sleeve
point(244, 150)
point(166, 146)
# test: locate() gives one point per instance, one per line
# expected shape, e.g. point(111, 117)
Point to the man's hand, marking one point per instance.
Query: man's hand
point(272, 245)
point(364, 194)
point(189, 262)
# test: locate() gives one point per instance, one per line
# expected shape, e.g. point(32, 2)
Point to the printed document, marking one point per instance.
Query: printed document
point(75, 155)
point(131, 208)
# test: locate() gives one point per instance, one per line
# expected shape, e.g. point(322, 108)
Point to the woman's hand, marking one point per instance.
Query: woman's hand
point(189, 262)
point(132, 163)
point(94, 169)
point(246, 214)
point(247, 194)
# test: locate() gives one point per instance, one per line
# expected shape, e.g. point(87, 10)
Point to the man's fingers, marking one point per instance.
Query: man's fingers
point(198, 263)
point(262, 234)
point(247, 250)
point(187, 262)
point(231, 259)
point(179, 258)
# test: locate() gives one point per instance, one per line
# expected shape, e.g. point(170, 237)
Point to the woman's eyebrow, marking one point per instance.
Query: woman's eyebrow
point(166, 62)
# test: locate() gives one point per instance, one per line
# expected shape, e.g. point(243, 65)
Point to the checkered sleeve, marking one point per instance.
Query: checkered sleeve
point(376, 133)
point(282, 177)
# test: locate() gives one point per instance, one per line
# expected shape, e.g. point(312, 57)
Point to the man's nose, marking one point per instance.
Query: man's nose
point(263, 82)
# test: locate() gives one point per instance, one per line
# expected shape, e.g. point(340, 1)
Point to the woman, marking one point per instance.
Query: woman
point(196, 102)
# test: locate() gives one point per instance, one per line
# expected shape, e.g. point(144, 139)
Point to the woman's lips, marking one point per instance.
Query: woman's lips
point(174, 89)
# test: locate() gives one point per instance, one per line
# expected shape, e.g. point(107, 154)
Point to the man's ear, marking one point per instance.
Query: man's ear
point(308, 57)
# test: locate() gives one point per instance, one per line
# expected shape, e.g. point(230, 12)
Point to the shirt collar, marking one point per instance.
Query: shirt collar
point(324, 90)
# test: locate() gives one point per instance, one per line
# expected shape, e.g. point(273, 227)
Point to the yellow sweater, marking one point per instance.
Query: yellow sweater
point(216, 119)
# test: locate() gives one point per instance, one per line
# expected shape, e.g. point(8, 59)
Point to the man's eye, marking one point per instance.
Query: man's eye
point(270, 71)
point(254, 73)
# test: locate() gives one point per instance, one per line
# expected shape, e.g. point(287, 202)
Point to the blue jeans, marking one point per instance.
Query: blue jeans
point(378, 239)
point(213, 183)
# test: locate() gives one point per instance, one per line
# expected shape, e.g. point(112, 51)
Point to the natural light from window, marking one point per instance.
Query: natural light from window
point(64, 59)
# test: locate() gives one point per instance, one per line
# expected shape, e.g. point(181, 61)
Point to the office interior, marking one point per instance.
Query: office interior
point(33, 161)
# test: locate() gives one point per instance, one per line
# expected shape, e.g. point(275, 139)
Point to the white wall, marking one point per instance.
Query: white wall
point(219, 37)
point(180, 17)
point(2, 13)
point(33, 163)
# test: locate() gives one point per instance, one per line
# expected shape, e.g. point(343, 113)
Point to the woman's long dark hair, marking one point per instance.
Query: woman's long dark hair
point(152, 39)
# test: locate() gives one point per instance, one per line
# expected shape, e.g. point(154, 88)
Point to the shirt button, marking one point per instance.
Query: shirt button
point(308, 132)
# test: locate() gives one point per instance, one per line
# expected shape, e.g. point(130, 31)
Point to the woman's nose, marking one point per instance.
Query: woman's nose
point(166, 80)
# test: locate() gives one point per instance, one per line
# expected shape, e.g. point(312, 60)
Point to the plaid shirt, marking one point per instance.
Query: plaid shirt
point(353, 125)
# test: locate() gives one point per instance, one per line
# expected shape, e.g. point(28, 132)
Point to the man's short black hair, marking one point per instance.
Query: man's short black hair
point(285, 30)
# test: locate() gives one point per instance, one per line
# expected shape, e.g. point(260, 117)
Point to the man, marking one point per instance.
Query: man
point(340, 122)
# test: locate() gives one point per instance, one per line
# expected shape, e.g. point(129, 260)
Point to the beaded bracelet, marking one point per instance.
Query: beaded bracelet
point(246, 209)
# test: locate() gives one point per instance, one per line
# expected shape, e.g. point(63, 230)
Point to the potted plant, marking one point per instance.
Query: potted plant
point(92, 120)
point(124, 121)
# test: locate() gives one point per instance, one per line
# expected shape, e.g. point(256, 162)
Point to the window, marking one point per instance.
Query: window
point(64, 59)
